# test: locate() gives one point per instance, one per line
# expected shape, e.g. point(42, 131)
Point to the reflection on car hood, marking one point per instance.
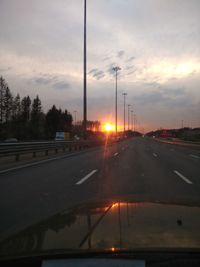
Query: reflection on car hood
point(110, 226)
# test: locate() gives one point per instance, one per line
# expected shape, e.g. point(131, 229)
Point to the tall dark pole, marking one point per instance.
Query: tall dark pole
point(131, 120)
point(116, 69)
point(85, 77)
point(124, 94)
point(134, 123)
point(128, 115)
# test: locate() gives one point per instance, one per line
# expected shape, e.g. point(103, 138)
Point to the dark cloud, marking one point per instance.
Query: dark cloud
point(5, 69)
point(52, 80)
point(131, 72)
point(154, 84)
point(107, 58)
point(92, 71)
point(42, 80)
point(100, 72)
point(120, 53)
point(100, 76)
point(62, 85)
point(130, 59)
point(96, 73)
point(165, 96)
point(129, 67)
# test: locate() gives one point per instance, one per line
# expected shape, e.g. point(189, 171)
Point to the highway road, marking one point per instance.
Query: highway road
point(138, 168)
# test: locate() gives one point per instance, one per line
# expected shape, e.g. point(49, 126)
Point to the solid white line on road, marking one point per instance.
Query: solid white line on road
point(183, 177)
point(39, 162)
point(155, 155)
point(194, 156)
point(116, 154)
point(86, 177)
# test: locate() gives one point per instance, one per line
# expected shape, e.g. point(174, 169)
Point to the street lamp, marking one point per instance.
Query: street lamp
point(131, 120)
point(128, 115)
point(84, 77)
point(116, 69)
point(124, 94)
point(134, 122)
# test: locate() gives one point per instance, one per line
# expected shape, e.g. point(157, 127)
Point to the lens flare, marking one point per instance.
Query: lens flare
point(108, 127)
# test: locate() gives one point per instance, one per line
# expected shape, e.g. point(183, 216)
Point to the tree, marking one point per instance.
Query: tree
point(3, 86)
point(16, 123)
point(16, 108)
point(8, 101)
point(25, 109)
point(57, 121)
point(37, 119)
point(24, 120)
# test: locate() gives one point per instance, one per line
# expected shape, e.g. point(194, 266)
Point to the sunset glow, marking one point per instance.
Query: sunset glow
point(108, 127)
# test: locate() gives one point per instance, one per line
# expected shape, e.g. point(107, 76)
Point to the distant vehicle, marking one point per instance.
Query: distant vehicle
point(166, 134)
point(62, 136)
point(11, 140)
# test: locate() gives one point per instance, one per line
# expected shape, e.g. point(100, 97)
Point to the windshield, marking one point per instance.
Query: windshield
point(99, 106)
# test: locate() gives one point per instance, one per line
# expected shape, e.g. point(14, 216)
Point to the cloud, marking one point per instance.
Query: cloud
point(130, 59)
point(166, 96)
point(54, 81)
point(96, 73)
point(39, 37)
point(131, 72)
point(92, 71)
point(107, 58)
point(42, 80)
point(129, 67)
point(120, 53)
point(5, 69)
point(62, 85)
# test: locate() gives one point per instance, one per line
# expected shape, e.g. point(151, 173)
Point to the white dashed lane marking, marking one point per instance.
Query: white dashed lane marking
point(155, 155)
point(86, 177)
point(183, 177)
point(194, 156)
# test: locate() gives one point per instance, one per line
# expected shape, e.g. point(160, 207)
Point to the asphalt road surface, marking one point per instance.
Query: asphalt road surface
point(137, 169)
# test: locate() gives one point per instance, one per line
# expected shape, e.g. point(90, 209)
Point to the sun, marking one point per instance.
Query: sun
point(108, 127)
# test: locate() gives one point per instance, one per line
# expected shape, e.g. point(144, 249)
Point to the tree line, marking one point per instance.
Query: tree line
point(24, 118)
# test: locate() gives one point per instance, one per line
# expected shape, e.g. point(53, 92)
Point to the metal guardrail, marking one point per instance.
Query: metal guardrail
point(179, 142)
point(17, 149)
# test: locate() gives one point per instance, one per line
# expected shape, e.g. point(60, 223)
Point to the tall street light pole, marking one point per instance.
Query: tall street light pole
point(131, 120)
point(124, 94)
point(116, 69)
point(84, 77)
point(134, 123)
point(128, 115)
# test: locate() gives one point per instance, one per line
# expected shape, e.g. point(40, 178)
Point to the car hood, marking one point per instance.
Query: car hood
point(109, 226)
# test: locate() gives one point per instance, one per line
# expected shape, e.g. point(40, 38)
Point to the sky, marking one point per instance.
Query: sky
point(156, 43)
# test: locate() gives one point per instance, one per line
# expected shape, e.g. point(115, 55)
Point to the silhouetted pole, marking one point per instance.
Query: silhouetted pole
point(128, 115)
point(134, 123)
point(124, 94)
point(84, 78)
point(116, 69)
point(131, 120)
